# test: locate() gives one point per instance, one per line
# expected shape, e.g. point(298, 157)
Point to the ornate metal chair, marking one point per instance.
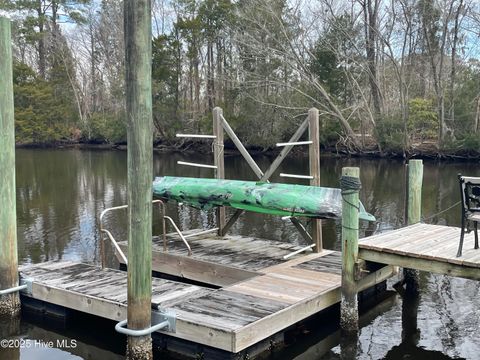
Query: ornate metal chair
point(470, 189)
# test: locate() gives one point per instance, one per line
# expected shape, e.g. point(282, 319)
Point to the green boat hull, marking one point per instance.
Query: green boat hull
point(267, 198)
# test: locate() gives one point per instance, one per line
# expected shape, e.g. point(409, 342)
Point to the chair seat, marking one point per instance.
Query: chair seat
point(474, 217)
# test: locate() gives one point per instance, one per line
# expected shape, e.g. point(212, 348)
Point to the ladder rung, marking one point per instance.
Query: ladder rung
point(196, 165)
point(201, 136)
point(296, 176)
point(295, 143)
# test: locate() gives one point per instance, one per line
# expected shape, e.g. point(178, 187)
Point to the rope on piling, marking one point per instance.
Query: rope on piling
point(350, 185)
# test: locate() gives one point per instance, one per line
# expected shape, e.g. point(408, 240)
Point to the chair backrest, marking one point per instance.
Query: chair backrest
point(470, 189)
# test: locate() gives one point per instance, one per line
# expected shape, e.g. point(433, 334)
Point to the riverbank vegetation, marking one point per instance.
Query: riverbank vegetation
point(389, 77)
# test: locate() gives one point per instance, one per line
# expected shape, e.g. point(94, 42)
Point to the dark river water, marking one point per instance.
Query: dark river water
point(60, 194)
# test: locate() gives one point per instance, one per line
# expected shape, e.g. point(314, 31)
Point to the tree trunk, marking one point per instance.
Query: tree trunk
point(210, 89)
point(370, 14)
point(219, 77)
point(476, 125)
point(454, 56)
point(42, 59)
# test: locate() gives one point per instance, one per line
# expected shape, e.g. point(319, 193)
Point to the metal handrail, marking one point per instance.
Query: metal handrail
point(112, 239)
point(110, 236)
point(180, 234)
point(117, 247)
point(13, 289)
point(119, 327)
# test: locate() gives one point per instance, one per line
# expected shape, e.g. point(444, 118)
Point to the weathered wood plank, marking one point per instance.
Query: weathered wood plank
point(295, 261)
point(267, 288)
point(331, 263)
point(307, 277)
point(383, 238)
point(439, 267)
point(377, 277)
point(230, 319)
point(261, 329)
point(392, 240)
point(421, 244)
point(194, 269)
point(428, 242)
point(219, 261)
point(104, 302)
point(230, 309)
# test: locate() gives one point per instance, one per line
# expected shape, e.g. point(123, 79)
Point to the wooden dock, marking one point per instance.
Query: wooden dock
point(216, 260)
point(431, 248)
point(256, 293)
point(276, 294)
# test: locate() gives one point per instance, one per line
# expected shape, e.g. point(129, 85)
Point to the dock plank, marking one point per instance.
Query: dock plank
point(232, 310)
point(425, 247)
point(59, 283)
point(219, 261)
point(246, 253)
point(331, 263)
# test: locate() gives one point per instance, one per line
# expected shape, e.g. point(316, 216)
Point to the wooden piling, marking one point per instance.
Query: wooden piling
point(9, 304)
point(138, 55)
point(414, 212)
point(219, 160)
point(350, 185)
point(314, 156)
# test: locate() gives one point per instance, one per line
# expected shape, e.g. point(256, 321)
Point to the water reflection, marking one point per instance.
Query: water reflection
point(60, 194)
point(9, 331)
point(52, 341)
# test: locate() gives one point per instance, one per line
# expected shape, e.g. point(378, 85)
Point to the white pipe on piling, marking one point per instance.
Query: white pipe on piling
point(196, 165)
point(308, 142)
point(199, 136)
point(296, 176)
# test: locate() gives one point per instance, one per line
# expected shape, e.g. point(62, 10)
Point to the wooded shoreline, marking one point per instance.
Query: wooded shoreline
point(421, 152)
point(393, 74)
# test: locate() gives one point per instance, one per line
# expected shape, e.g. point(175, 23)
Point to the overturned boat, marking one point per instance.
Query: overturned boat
point(262, 197)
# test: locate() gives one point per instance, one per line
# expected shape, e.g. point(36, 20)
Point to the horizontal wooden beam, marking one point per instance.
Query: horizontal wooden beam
point(428, 265)
point(376, 277)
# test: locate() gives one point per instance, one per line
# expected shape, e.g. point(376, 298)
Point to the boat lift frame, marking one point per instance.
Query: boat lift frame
point(221, 126)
